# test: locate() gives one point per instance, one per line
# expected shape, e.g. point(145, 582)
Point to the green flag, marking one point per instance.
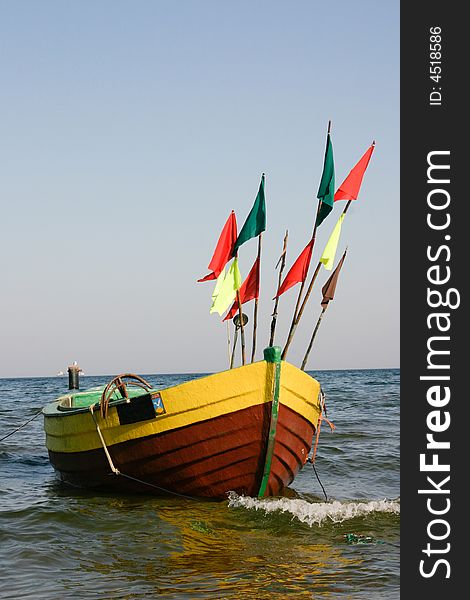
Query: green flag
point(326, 191)
point(328, 256)
point(255, 222)
point(226, 289)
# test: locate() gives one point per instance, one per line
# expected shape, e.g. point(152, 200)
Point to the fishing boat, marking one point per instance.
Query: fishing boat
point(248, 429)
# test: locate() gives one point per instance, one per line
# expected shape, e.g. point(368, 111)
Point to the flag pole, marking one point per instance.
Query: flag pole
point(282, 261)
point(242, 330)
point(255, 310)
point(294, 322)
point(235, 337)
point(228, 344)
point(255, 224)
point(328, 294)
point(309, 289)
point(304, 362)
point(304, 302)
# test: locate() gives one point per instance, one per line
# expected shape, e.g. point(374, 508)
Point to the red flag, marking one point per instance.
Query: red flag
point(224, 248)
point(298, 271)
point(328, 290)
point(248, 291)
point(349, 189)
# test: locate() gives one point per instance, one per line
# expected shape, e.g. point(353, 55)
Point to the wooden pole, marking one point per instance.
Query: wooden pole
point(304, 362)
point(255, 325)
point(309, 289)
point(235, 337)
point(228, 343)
point(293, 324)
point(255, 312)
point(242, 329)
point(307, 295)
point(295, 318)
point(282, 261)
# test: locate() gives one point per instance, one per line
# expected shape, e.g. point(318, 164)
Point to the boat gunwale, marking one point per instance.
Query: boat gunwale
point(52, 409)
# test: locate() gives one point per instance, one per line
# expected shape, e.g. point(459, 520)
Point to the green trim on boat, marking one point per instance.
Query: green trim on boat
point(272, 355)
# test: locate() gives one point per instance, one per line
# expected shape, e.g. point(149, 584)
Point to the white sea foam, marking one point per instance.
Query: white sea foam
point(315, 513)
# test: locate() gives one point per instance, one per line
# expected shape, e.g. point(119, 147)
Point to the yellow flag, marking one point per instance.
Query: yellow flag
point(328, 256)
point(218, 285)
point(226, 288)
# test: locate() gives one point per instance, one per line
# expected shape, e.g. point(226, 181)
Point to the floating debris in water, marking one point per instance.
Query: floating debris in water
point(355, 538)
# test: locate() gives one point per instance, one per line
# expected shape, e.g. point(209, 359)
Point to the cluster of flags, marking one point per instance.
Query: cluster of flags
point(229, 284)
point(249, 289)
point(230, 293)
point(348, 190)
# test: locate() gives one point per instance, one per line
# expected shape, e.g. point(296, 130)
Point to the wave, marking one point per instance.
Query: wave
point(316, 513)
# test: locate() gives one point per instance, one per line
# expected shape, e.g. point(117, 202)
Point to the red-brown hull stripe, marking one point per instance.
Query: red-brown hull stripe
point(205, 459)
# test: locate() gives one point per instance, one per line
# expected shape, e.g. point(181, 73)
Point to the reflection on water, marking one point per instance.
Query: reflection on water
point(230, 556)
point(184, 549)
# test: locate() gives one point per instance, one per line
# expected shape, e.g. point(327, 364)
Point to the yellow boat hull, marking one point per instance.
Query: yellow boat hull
point(208, 436)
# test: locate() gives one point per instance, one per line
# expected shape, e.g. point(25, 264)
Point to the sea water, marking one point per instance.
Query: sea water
point(332, 536)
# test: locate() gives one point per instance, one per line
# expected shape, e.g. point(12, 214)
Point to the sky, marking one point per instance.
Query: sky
point(129, 132)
